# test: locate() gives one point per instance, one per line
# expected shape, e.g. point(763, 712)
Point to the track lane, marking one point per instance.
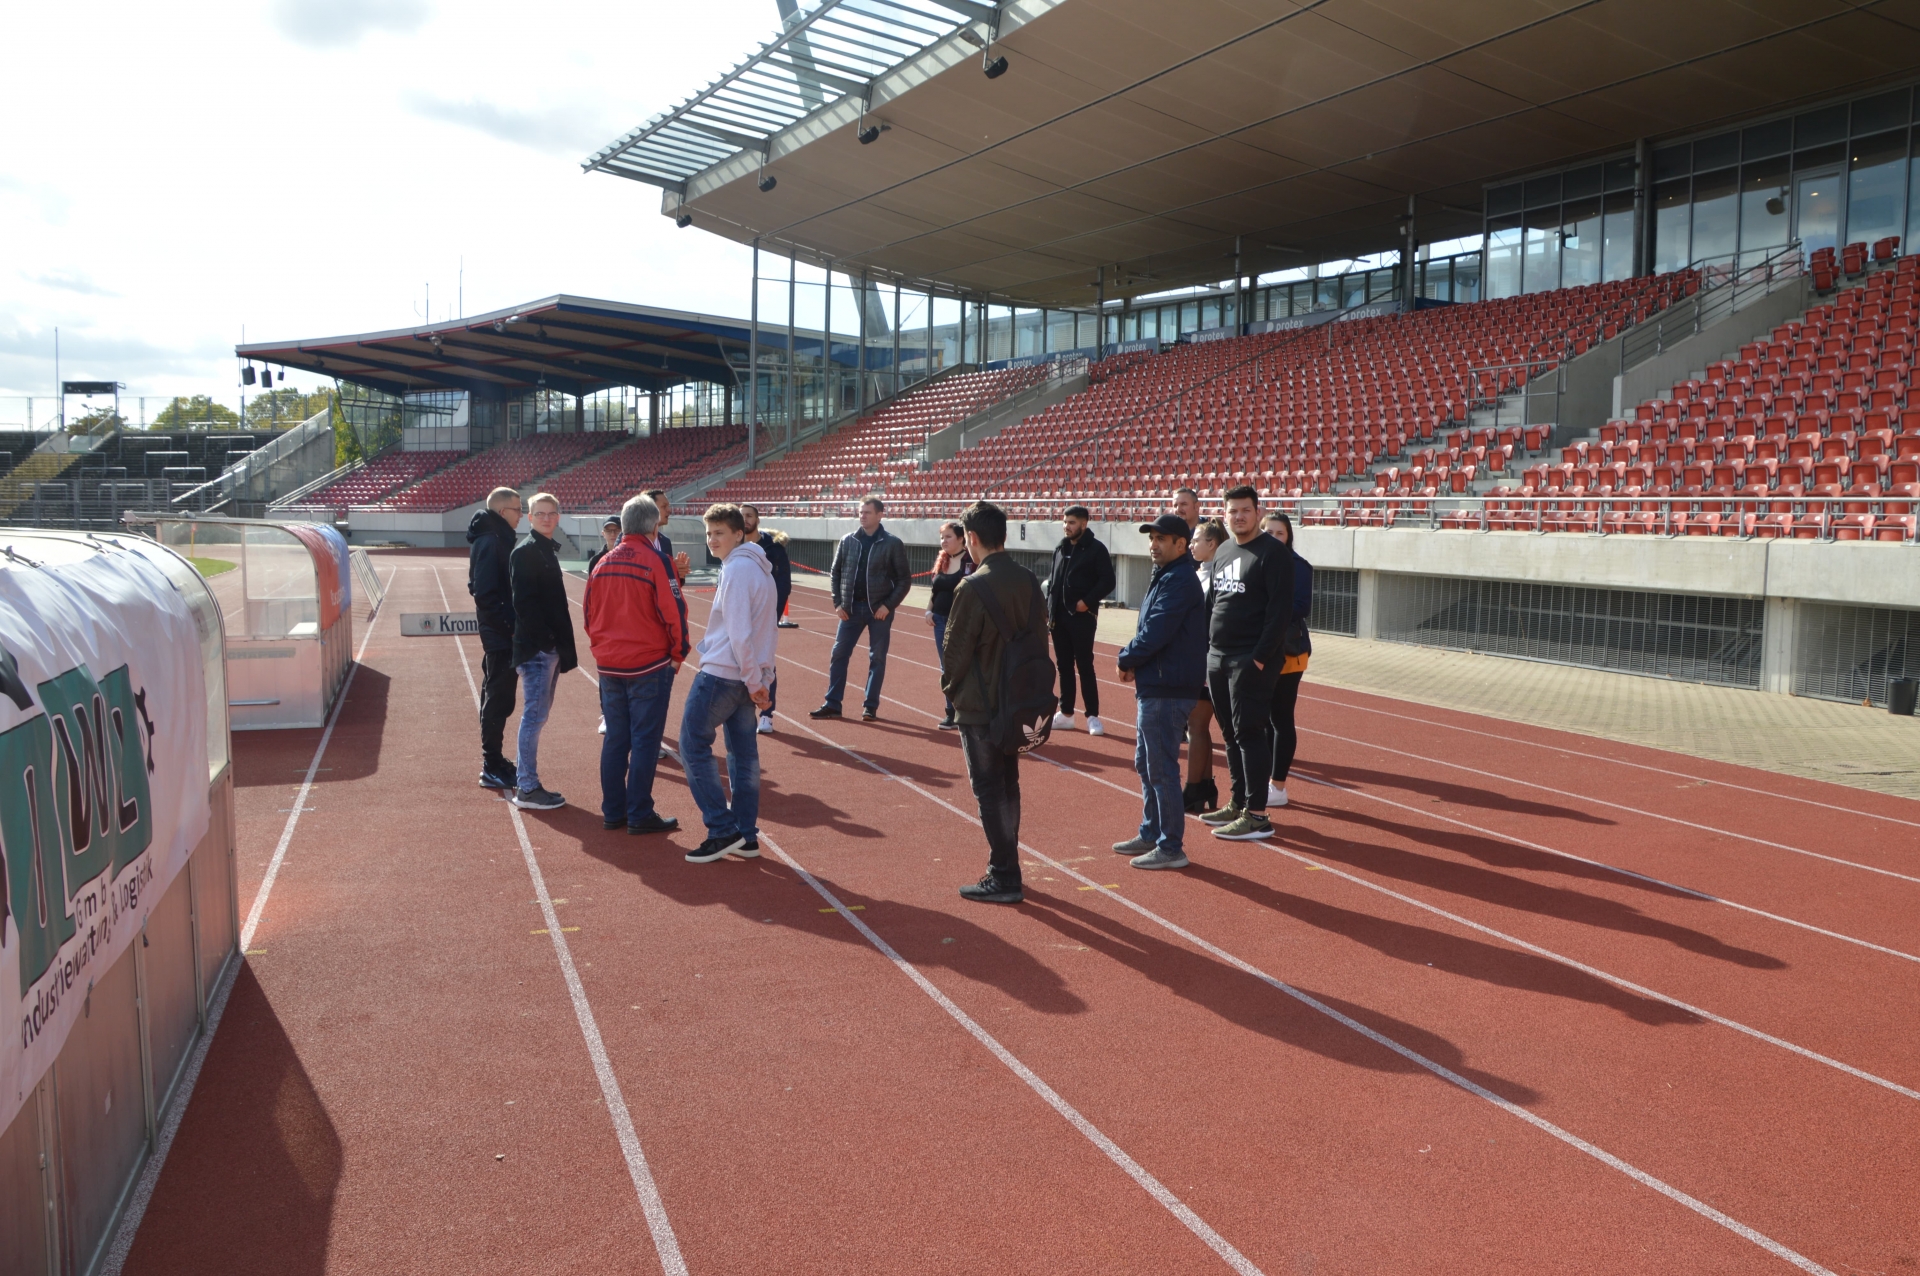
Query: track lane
point(867, 729)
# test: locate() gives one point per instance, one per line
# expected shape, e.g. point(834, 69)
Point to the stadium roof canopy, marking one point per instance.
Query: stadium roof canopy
point(575, 345)
point(1144, 136)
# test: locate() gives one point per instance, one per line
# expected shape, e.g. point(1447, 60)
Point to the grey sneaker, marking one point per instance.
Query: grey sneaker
point(538, 800)
point(1133, 846)
point(1225, 815)
point(1157, 858)
point(1250, 827)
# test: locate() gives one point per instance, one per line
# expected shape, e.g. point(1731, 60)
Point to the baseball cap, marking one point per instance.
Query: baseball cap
point(611, 520)
point(1169, 525)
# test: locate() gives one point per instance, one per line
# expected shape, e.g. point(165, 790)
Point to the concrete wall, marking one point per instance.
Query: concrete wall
point(1681, 361)
point(988, 422)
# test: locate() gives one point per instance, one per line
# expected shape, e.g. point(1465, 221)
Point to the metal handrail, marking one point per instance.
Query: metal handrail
point(1715, 301)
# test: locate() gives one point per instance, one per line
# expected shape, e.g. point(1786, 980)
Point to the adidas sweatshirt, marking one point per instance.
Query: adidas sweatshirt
point(1251, 601)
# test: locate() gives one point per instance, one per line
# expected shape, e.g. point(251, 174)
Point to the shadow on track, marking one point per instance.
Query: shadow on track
point(765, 890)
point(249, 1183)
point(267, 758)
point(1469, 958)
point(1505, 891)
point(1445, 791)
point(1250, 1003)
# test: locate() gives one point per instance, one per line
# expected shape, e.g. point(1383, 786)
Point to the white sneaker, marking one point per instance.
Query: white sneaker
point(1063, 722)
point(1276, 794)
point(766, 724)
point(603, 726)
point(1094, 727)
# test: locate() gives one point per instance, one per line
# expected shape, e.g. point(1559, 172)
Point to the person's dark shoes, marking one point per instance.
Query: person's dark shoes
point(825, 711)
point(789, 624)
point(947, 723)
point(610, 825)
point(868, 715)
point(749, 848)
point(1201, 797)
point(716, 848)
point(494, 780)
point(538, 799)
point(991, 890)
point(653, 824)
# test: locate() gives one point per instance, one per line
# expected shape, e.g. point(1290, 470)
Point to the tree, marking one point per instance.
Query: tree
point(98, 421)
point(284, 407)
point(195, 412)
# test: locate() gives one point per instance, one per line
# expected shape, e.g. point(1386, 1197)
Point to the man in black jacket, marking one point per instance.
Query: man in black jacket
point(491, 536)
point(1251, 603)
point(870, 579)
point(1082, 576)
point(971, 660)
point(542, 642)
point(774, 545)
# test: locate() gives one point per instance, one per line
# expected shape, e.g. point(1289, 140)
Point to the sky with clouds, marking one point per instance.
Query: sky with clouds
point(172, 173)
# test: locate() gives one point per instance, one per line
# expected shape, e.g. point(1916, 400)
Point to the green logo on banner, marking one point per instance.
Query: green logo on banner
point(75, 801)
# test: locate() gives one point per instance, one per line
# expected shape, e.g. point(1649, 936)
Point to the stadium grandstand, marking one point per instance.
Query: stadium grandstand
point(1578, 342)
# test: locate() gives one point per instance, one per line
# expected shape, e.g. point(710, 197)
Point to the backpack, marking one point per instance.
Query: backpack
point(1023, 714)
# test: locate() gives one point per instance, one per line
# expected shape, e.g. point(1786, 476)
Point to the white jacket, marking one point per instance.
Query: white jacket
point(739, 642)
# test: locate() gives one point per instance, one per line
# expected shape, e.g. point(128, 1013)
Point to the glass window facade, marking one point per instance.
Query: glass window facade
point(1840, 174)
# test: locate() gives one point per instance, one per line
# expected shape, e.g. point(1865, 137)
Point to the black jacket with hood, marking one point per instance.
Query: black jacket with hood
point(541, 620)
point(1082, 572)
point(491, 541)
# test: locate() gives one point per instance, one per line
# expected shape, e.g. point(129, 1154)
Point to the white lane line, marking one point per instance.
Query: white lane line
point(1638, 766)
point(1549, 954)
point(306, 784)
point(1617, 806)
point(1504, 837)
point(665, 1244)
point(1134, 1170)
point(1413, 1056)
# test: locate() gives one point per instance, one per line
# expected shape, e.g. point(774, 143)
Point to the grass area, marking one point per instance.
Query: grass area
point(212, 566)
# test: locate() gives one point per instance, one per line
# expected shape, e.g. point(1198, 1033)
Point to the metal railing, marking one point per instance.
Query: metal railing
point(1725, 289)
point(217, 491)
point(1744, 515)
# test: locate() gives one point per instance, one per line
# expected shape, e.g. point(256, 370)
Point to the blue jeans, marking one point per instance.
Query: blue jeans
point(940, 648)
point(715, 703)
point(1158, 730)
point(636, 713)
point(879, 633)
point(538, 677)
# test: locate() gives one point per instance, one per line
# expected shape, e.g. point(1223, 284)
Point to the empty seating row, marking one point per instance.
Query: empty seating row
point(513, 464)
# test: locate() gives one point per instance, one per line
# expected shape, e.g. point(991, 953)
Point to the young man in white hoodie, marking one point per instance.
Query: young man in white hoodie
point(733, 686)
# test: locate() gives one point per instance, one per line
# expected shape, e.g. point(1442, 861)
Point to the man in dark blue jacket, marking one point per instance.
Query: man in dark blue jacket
point(491, 535)
point(1167, 664)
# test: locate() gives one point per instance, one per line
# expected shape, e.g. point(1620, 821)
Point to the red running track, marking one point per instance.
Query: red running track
point(1496, 999)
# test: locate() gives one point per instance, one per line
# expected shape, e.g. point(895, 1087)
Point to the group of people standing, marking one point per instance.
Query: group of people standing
point(1221, 637)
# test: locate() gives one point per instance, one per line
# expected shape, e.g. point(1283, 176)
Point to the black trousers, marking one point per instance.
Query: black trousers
point(1243, 705)
point(1073, 653)
point(1285, 738)
point(499, 681)
point(995, 777)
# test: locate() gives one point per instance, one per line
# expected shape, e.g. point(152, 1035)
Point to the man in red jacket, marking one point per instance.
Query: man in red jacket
point(639, 639)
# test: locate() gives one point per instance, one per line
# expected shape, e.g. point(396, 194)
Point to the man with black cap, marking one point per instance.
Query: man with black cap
point(610, 535)
point(1167, 664)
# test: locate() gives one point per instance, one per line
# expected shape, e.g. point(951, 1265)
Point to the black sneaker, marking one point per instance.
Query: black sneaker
point(948, 724)
point(653, 824)
point(749, 848)
point(494, 780)
point(868, 715)
point(716, 848)
point(991, 890)
point(538, 799)
point(826, 711)
point(789, 624)
point(610, 825)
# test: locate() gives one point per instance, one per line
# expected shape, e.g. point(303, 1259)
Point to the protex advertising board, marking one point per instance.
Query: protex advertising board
point(103, 784)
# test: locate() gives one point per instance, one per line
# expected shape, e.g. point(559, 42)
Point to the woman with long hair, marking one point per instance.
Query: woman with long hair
point(1297, 648)
point(1200, 793)
point(951, 566)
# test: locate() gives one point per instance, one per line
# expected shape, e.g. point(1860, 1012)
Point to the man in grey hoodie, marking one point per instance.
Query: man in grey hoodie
point(733, 685)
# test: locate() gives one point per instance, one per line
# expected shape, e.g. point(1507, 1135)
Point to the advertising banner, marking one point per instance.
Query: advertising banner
point(103, 785)
point(328, 562)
